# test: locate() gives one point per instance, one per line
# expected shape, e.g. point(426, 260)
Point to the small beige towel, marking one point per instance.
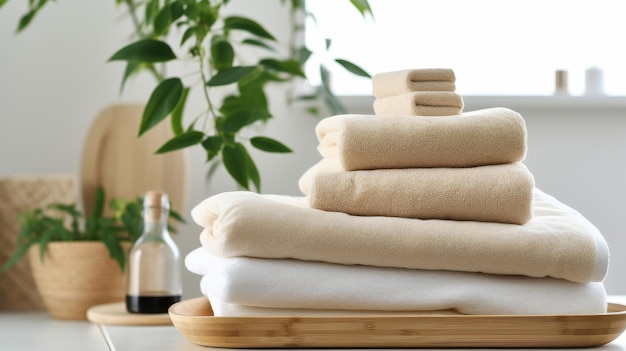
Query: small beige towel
point(496, 193)
point(482, 137)
point(404, 81)
point(420, 103)
point(558, 241)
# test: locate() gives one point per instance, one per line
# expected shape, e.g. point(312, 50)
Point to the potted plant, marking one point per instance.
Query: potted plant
point(232, 83)
point(78, 261)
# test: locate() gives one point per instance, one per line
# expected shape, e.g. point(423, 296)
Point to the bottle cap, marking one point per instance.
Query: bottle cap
point(154, 202)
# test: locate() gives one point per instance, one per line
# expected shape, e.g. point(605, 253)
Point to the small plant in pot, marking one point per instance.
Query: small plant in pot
point(78, 261)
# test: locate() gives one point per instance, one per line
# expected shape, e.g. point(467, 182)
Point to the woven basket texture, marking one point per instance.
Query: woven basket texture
point(75, 276)
point(18, 194)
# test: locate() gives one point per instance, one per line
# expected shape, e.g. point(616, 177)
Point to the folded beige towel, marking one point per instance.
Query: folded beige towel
point(558, 241)
point(496, 193)
point(482, 137)
point(404, 81)
point(420, 103)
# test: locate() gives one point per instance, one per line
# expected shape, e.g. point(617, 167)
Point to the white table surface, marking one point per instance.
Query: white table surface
point(21, 331)
point(29, 331)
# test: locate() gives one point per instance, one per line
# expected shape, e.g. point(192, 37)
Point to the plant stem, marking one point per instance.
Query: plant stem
point(205, 89)
point(293, 53)
point(132, 9)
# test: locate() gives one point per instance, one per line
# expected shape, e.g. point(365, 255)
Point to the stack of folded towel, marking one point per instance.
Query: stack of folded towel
point(417, 92)
point(421, 215)
point(462, 167)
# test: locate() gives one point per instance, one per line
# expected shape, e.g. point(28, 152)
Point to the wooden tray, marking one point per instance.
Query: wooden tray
point(194, 319)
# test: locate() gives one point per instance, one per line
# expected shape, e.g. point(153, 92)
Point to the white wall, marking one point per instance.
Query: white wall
point(54, 79)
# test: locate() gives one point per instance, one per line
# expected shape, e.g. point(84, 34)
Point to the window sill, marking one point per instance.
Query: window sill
point(363, 104)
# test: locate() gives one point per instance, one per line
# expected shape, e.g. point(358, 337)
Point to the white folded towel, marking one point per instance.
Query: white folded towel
point(223, 309)
point(284, 283)
point(557, 242)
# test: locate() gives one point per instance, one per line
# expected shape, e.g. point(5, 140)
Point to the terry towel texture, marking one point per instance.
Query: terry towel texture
point(404, 81)
point(557, 242)
point(420, 103)
point(224, 309)
point(317, 285)
point(496, 193)
point(477, 138)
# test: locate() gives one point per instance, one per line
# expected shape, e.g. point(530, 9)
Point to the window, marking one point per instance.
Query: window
point(495, 47)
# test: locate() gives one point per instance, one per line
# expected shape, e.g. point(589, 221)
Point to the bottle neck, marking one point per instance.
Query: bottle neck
point(155, 221)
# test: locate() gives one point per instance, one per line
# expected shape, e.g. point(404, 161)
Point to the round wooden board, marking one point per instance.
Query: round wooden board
point(116, 314)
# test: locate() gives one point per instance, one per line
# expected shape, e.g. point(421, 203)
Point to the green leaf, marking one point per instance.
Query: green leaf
point(99, 201)
point(235, 121)
point(351, 67)
point(115, 249)
point(162, 21)
point(206, 16)
point(304, 54)
point(297, 4)
point(176, 10)
point(177, 216)
point(145, 50)
point(236, 164)
point(176, 120)
point(152, 8)
point(213, 167)
point(43, 243)
point(253, 172)
point(26, 19)
point(364, 7)
point(222, 55)
point(163, 100)
point(191, 11)
point(181, 141)
point(288, 66)
point(189, 32)
point(269, 145)
point(212, 144)
point(230, 75)
point(232, 104)
point(18, 254)
point(248, 25)
point(131, 68)
point(258, 43)
point(313, 111)
point(336, 107)
point(2, 2)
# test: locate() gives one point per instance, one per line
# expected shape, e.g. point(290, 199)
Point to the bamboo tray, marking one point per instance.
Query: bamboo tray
point(194, 319)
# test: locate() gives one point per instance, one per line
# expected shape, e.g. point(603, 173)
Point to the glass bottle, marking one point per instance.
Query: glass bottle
point(154, 265)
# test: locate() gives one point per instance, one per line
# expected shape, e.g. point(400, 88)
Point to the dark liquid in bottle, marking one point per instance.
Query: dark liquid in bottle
point(150, 304)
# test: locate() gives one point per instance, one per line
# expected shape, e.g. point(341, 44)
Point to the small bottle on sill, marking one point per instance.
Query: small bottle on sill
point(561, 85)
point(154, 265)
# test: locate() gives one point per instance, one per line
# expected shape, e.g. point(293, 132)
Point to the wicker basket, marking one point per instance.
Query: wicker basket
point(75, 276)
point(18, 194)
